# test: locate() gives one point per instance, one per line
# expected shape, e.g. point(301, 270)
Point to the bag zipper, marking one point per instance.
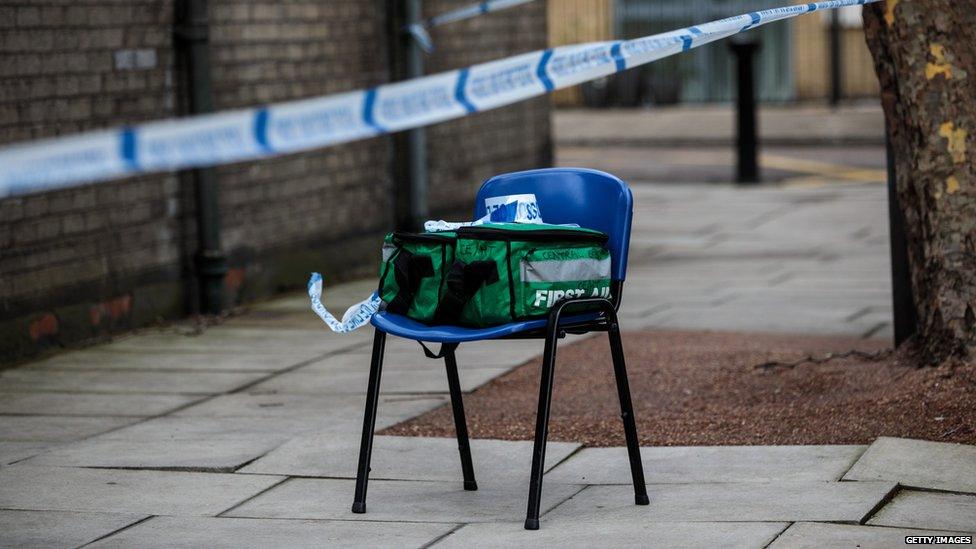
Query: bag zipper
point(542, 235)
point(422, 237)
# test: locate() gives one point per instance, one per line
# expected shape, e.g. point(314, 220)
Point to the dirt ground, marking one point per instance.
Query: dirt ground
point(711, 388)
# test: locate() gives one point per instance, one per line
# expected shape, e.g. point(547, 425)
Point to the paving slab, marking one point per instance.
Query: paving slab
point(354, 381)
point(918, 464)
point(696, 240)
point(57, 428)
point(471, 354)
point(220, 339)
point(172, 428)
point(124, 381)
point(54, 529)
point(809, 535)
point(91, 404)
point(222, 456)
point(611, 532)
point(715, 124)
point(338, 298)
point(408, 458)
point(122, 491)
point(231, 360)
point(239, 533)
point(705, 464)
point(334, 411)
point(757, 319)
point(190, 442)
point(404, 354)
point(754, 502)
point(397, 500)
point(11, 452)
point(930, 511)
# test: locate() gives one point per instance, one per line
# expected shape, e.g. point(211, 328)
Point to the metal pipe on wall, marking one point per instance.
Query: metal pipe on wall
point(192, 39)
point(416, 141)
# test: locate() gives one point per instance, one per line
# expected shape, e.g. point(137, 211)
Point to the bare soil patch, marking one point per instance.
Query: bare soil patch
point(708, 388)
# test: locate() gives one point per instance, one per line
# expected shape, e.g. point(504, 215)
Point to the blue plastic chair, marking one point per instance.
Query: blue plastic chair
point(590, 198)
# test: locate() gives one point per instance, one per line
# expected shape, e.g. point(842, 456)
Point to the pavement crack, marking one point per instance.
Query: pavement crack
point(438, 539)
point(858, 313)
point(890, 495)
point(112, 533)
point(776, 537)
point(873, 330)
point(564, 500)
point(252, 496)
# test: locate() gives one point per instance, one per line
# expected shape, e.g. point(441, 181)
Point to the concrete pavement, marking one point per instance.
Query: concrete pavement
point(245, 434)
point(798, 145)
point(702, 125)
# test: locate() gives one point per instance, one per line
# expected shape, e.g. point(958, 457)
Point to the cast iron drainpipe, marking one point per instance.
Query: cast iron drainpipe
point(192, 37)
point(417, 137)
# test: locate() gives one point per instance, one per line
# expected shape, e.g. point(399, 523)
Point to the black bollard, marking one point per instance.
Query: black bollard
point(834, 51)
point(747, 167)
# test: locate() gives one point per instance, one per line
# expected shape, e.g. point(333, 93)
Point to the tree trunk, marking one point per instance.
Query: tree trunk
point(925, 56)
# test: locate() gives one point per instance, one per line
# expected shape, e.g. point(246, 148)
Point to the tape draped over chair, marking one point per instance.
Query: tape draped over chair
point(590, 198)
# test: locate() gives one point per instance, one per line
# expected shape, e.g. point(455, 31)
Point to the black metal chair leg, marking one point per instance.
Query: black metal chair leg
point(542, 422)
point(369, 421)
point(460, 423)
point(627, 412)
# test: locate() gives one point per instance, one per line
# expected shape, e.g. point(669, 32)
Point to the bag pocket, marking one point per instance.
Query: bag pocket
point(412, 273)
point(550, 274)
point(476, 288)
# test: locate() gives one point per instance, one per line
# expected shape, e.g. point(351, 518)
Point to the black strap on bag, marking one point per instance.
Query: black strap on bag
point(409, 270)
point(445, 348)
point(461, 283)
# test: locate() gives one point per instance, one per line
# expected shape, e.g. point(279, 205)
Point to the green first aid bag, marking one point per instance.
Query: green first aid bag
point(493, 273)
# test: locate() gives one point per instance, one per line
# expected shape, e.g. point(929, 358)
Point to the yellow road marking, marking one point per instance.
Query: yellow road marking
point(823, 169)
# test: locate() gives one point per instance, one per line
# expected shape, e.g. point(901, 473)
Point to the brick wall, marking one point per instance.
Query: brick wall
point(464, 152)
point(82, 262)
point(76, 263)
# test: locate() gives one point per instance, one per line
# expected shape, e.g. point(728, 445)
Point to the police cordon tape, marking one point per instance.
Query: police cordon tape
point(419, 30)
point(247, 134)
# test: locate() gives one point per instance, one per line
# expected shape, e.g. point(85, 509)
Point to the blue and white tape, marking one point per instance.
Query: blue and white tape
point(513, 208)
point(355, 317)
point(283, 128)
point(516, 208)
point(419, 30)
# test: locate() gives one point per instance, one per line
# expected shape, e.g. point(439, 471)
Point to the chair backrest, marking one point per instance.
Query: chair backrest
point(589, 198)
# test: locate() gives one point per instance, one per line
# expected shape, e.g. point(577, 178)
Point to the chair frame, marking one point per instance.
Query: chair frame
point(552, 332)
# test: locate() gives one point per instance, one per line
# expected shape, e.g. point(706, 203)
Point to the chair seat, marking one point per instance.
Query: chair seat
point(409, 328)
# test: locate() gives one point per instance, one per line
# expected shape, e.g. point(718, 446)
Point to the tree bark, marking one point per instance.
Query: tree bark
point(925, 56)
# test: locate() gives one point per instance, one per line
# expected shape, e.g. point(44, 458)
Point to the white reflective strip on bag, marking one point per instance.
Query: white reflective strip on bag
point(570, 270)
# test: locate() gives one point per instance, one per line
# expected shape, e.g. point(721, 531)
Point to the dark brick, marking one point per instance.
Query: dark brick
point(116, 238)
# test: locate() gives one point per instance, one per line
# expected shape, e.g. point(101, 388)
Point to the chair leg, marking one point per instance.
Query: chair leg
point(369, 421)
point(460, 423)
point(627, 413)
point(542, 425)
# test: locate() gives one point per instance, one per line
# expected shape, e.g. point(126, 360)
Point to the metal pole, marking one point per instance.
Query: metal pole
point(416, 138)
point(747, 144)
point(192, 33)
point(836, 66)
point(903, 299)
